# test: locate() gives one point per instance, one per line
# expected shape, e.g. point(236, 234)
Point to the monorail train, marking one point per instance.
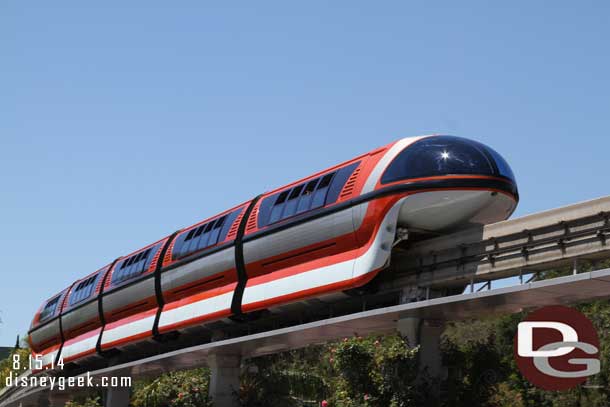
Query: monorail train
point(317, 237)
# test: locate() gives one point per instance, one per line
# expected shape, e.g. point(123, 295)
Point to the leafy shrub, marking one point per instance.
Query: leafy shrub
point(87, 402)
point(6, 365)
point(356, 372)
point(187, 388)
point(376, 371)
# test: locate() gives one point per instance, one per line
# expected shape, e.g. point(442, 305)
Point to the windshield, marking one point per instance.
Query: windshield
point(446, 155)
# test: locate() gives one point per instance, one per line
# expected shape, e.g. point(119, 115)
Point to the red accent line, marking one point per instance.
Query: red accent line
point(80, 355)
point(300, 253)
point(127, 339)
point(440, 177)
point(194, 321)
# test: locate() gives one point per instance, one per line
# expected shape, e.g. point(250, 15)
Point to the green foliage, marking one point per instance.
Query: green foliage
point(6, 365)
point(87, 402)
point(354, 360)
point(376, 371)
point(294, 378)
point(176, 389)
point(484, 372)
point(356, 372)
point(479, 355)
point(187, 388)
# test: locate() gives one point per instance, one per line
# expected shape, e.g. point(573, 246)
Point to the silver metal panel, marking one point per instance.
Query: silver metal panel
point(305, 234)
point(446, 210)
point(77, 317)
point(129, 295)
point(358, 214)
point(46, 332)
point(198, 269)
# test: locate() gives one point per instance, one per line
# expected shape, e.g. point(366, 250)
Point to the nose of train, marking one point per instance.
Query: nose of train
point(458, 182)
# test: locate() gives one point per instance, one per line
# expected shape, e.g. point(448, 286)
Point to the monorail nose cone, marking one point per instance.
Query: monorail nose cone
point(455, 182)
point(445, 156)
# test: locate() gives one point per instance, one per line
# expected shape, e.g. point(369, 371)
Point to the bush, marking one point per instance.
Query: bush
point(87, 402)
point(376, 371)
point(6, 365)
point(291, 379)
point(176, 389)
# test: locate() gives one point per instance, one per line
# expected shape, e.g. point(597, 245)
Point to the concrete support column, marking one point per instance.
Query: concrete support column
point(224, 382)
point(430, 357)
point(426, 334)
point(116, 397)
point(409, 328)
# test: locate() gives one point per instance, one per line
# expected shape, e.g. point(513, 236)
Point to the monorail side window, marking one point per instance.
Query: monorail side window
point(307, 196)
point(50, 308)
point(304, 197)
point(133, 266)
point(207, 235)
point(290, 207)
point(319, 197)
point(278, 207)
point(83, 290)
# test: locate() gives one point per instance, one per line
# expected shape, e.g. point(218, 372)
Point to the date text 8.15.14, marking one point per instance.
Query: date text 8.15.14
point(35, 363)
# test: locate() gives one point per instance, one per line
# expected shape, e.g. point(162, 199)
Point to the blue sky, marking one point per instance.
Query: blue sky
point(123, 121)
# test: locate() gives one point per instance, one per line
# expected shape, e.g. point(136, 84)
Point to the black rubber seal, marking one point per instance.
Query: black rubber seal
point(66, 297)
point(100, 307)
point(240, 264)
point(158, 290)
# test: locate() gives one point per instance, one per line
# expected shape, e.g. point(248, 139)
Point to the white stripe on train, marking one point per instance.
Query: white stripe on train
point(79, 347)
point(128, 329)
point(197, 309)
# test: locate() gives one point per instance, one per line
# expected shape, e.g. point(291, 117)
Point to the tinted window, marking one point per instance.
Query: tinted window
point(83, 290)
point(304, 197)
point(299, 199)
point(290, 207)
point(49, 309)
point(134, 265)
point(206, 235)
point(307, 196)
point(278, 207)
point(503, 167)
point(441, 155)
point(215, 232)
point(319, 196)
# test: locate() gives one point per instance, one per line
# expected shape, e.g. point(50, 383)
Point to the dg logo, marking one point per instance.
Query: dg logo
point(557, 348)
